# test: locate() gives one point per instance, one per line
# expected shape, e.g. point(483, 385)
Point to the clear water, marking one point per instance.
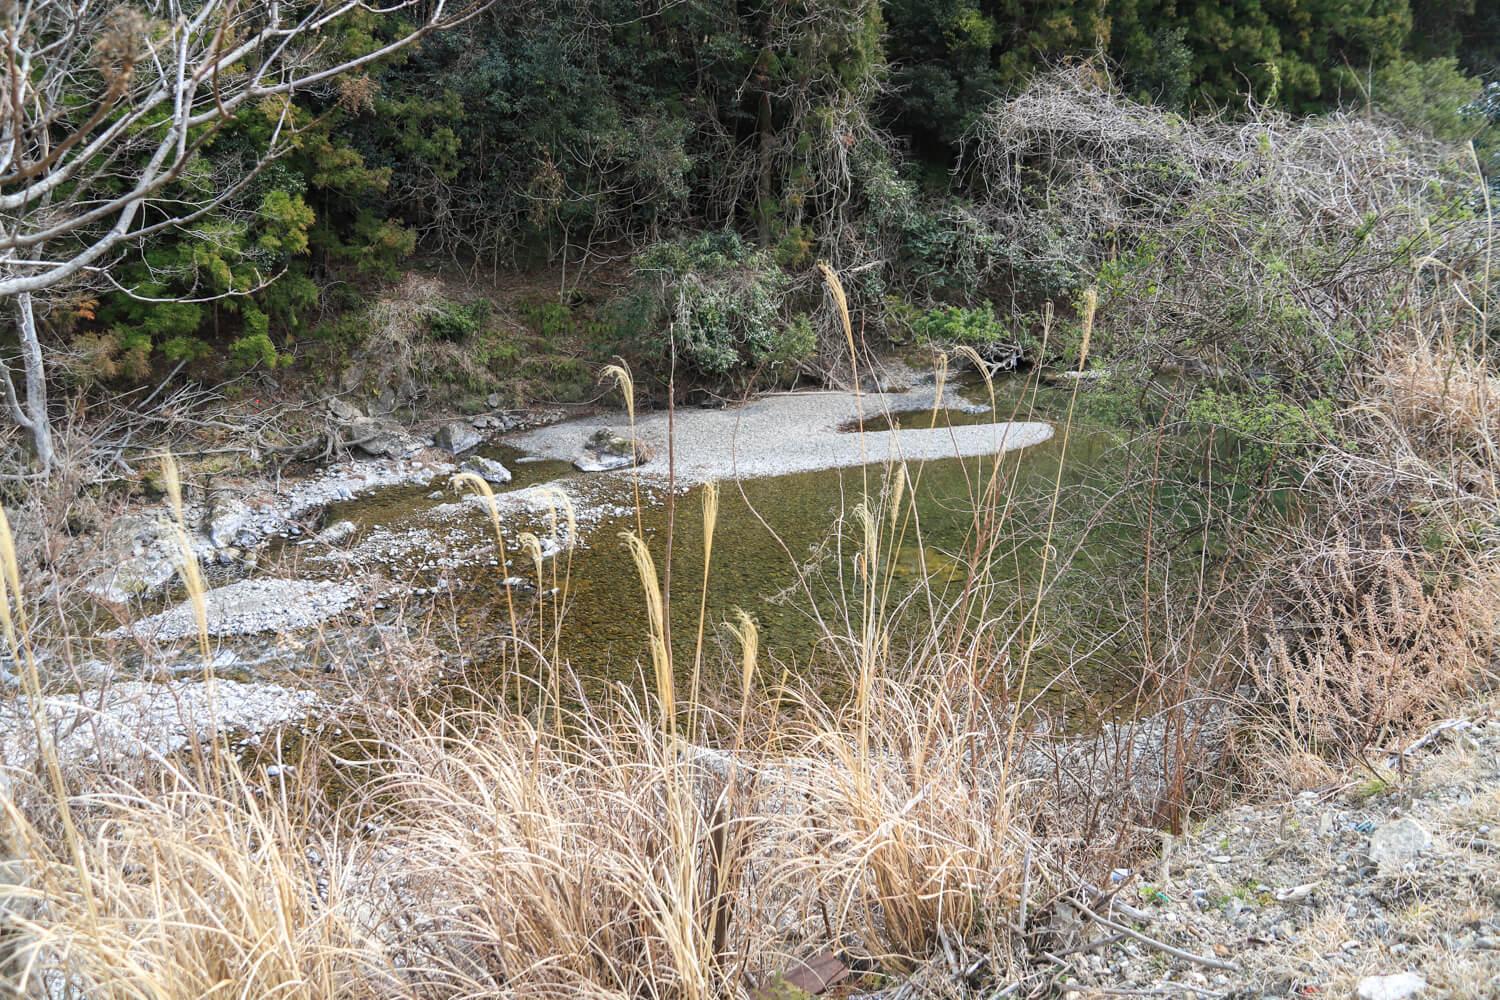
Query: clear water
point(776, 553)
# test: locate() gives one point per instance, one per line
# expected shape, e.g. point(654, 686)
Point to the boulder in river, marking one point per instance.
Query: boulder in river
point(606, 450)
point(230, 523)
point(336, 533)
point(378, 437)
point(488, 469)
point(136, 556)
point(457, 436)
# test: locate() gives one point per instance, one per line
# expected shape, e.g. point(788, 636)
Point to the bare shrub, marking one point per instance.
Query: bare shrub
point(1312, 296)
point(1258, 244)
point(1371, 649)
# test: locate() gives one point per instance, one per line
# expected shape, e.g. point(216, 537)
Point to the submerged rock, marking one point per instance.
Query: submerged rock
point(606, 450)
point(335, 534)
point(488, 469)
point(456, 437)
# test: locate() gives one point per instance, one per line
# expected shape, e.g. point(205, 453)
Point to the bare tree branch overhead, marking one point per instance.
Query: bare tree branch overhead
point(104, 107)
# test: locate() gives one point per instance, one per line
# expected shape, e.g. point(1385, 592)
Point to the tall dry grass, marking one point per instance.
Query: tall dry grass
point(533, 840)
point(691, 839)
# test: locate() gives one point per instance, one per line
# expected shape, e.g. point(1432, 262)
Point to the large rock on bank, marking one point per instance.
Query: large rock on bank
point(457, 437)
point(379, 437)
point(605, 450)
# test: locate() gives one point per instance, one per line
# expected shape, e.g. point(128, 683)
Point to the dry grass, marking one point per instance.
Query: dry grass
point(577, 847)
point(1378, 649)
point(487, 853)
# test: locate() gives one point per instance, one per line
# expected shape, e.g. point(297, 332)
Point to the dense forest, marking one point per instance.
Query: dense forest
point(575, 134)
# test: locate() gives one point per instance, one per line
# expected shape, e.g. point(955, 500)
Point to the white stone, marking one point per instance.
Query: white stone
point(1398, 843)
point(1397, 987)
point(248, 607)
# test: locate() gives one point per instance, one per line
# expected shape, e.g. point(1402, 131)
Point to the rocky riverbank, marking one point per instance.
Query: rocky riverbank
point(1383, 884)
point(356, 544)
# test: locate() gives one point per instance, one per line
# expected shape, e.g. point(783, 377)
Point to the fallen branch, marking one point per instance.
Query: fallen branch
point(1151, 942)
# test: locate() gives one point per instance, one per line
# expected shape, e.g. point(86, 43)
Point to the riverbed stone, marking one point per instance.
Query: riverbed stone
point(336, 533)
point(1398, 843)
point(132, 718)
point(488, 469)
point(134, 557)
point(457, 436)
point(230, 523)
point(249, 607)
point(606, 450)
point(1400, 986)
point(379, 437)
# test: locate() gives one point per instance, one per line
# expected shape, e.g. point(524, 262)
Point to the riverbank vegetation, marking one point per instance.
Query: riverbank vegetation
point(1267, 263)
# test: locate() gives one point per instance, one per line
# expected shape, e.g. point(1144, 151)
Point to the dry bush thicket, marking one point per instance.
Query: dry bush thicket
point(1254, 243)
point(1330, 279)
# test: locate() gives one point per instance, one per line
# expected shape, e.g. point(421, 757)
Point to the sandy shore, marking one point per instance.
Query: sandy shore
point(797, 432)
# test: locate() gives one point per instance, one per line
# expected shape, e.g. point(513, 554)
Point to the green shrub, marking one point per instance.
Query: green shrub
point(1265, 429)
point(453, 321)
point(254, 346)
point(547, 319)
point(255, 349)
point(975, 326)
point(794, 345)
point(723, 301)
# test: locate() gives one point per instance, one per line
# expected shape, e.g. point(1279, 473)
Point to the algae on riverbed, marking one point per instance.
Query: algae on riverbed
point(778, 550)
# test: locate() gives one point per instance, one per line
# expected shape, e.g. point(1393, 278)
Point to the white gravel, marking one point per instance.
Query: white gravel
point(134, 718)
point(795, 432)
point(248, 607)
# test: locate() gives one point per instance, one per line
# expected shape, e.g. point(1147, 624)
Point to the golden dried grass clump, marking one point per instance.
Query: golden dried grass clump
point(1444, 403)
point(1374, 650)
point(614, 861)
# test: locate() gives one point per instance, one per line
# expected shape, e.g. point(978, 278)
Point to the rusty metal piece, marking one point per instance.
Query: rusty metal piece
point(812, 976)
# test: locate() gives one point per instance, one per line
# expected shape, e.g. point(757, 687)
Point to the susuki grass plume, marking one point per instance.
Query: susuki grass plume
point(187, 556)
point(710, 494)
point(469, 480)
point(625, 382)
point(656, 636)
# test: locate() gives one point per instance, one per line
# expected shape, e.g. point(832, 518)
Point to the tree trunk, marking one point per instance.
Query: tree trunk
point(31, 411)
point(766, 176)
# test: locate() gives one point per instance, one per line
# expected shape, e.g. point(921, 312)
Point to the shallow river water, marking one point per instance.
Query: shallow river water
point(775, 553)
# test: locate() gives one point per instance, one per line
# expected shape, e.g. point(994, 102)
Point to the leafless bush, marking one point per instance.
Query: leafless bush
point(1259, 243)
point(1326, 284)
point(1365, 650)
